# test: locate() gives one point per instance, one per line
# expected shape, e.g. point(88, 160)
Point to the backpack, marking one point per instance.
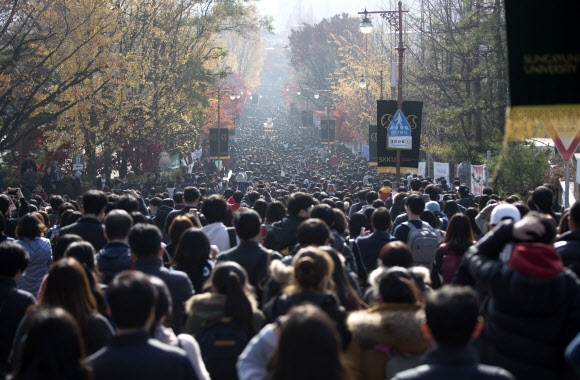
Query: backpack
point(424, 242)
point(450, 264)
point(220, 346)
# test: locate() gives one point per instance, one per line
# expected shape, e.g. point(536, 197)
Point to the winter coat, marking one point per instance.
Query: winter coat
point(282, 236)
point(380, 331)
point(568, 247)
point(40, 259)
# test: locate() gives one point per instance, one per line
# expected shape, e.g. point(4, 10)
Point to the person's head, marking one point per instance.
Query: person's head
point(463, 191)
point(313, 231)
point(430, 218)
point(396, 254)
point(451, 208)
point(276, 211)
point(53, 347)
point(574, 219)
point(67, 286)
point(543, 197)
point(549, 227)
point(131, 297)
point(128, 203)
point(180, 224)
point(190, 195)
point(145, 240)
point(30, 227)
point(62, 244)
point(117, 223)
point(13, 259)
point(356, 223)
point(415, 184)
point(299, 202)
point(452, 314)
point(215, 209)
point(415, 204)
point(84, 252)
point(163, 303)
point(312, 269)
point(459, 235)
point(433, 192)
point(191, 254)
point(397, 285)
point(94, 202)
point(247, 223)
point(381, 219)
point(55, 202)
point(502, 212)
point(308, 337)
point(230, 279)
point(323, 212)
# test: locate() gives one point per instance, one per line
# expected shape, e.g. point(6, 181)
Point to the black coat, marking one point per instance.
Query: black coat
point(136, 356)
point(528, 321)
point(568, 246)
point(282, 236)
point(370, 246)
point(90, 229)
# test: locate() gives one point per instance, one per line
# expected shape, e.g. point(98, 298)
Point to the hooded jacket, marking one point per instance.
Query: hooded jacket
point(533, 310)
point(388, 327)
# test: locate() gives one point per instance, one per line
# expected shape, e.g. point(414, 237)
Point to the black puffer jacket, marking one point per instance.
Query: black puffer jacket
point(568, 247)
point(533, 310)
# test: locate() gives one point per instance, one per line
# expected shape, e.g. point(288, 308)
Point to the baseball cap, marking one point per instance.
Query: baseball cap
point(433, 206)
point(504, 211)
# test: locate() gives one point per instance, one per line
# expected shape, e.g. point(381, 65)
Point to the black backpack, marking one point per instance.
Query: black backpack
point(220, 346)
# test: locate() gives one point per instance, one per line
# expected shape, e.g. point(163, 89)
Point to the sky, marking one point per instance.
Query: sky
point(288, 12)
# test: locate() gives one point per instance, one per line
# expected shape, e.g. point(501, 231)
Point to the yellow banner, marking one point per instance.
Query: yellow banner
point(553, 121)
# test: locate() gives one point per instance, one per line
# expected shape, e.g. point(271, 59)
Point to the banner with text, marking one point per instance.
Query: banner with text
point(221, 144)
point(421, 171)
point(477, 179)
point(387, 159)
point(373, 145)
point(441, 169)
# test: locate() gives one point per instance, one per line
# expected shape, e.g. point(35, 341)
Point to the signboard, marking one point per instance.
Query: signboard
point(78, 162)
point(387, 160)
point(222, 145)
point(441, 170)
point(327, 131)
point(399, 133)
point(373, 160)
point(307, 118)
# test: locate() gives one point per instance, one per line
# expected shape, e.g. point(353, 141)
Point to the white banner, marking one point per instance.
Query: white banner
point(477, 179)
point(441, 169)
point(422, 169)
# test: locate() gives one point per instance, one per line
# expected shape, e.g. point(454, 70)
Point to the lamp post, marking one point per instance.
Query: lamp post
point(363, 83)
point(395, 19)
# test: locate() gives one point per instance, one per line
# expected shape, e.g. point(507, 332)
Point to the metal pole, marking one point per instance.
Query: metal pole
point(400, 51)
point(218, 125)
point(567, 185)
point(381, 98)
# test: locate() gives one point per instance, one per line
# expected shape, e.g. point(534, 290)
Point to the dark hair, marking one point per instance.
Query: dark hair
point(247, 223)
point(190, 195)
point(67, 285)
point(312, 232)
point(128, 203)
point(543, 198)
point(452, 313)
point(415, 184)
point(131, 297)
point(308, 338)
point(179, 225)
point(549, 227)
point(215, 208)
point(398, 208)
point(356, 223)
point(429, 217)
point(340, 222)
point(397, 285)
point(381, 219)
point(55, 202)
point(156, 201)
point(230, 278)
point(177, 198)
point(84, 252)
point(459, 234)
point(575, 213)
point(323, 212)
point(396, 254)
point(117, 223)
point(276, 211)
point(238, 196)
point(299, 201)
point(341, 286)
point(29, 227)
point(13, 258)
point(145, 240)
point(261, 206)
point(94, 201)
point(62, 243)
point(433, 192)
point(310, 266)
point(191, 255)
point(451, 208)
point(416, 203)
point(163, 304)
point(53, 347)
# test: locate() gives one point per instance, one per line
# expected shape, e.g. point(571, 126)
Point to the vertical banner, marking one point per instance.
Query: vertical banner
point(223, 143)
point(373, 160)
point(441, 169)
point(387, 159)
point(331, 131)
point(422, 169)
point(544, 72)
point(477, 179)
point(307, 118)
point(324, 132)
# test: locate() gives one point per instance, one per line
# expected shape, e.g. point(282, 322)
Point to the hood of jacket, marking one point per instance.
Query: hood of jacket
point(393, 324)
point(536, 260)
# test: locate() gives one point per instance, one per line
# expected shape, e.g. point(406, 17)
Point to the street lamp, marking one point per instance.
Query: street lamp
point(395, 19)
point(363, 83)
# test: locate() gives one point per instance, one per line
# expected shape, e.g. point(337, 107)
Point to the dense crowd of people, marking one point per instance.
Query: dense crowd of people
point(298, 260)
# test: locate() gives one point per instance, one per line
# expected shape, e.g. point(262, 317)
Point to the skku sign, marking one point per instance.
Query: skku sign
point(399, 133)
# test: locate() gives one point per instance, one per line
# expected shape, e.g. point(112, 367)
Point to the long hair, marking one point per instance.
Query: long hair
point(230, 279)
point(459, 234)
point(191, 255)
point(67, 286)
point(309, 347)
point(52, 348)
